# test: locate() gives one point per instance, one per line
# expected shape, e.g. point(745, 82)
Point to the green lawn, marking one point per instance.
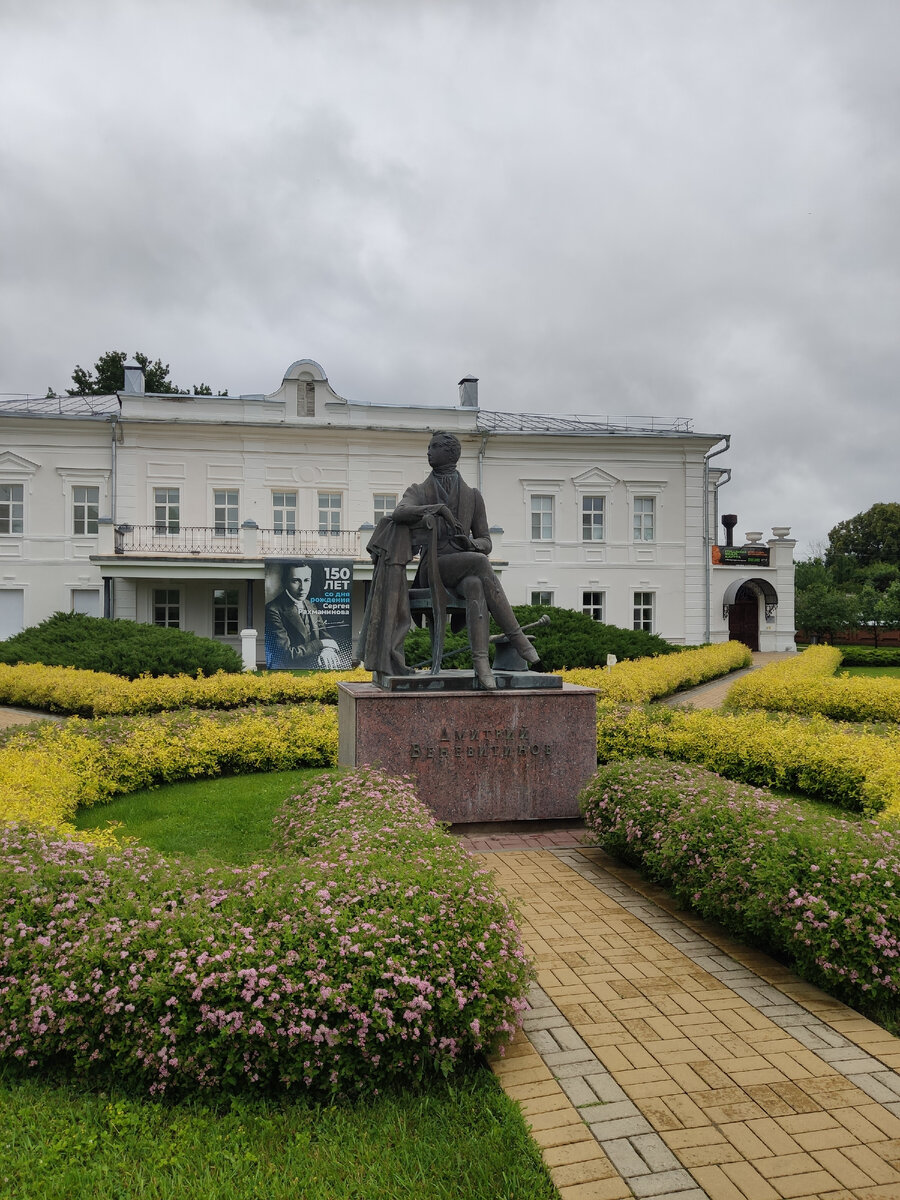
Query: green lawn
point(459, 1140)
point(872, 672)
point(229, 819)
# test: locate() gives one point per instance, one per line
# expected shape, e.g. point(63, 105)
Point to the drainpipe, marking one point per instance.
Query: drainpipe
point(109, 599)
point(707, 543)
point(114, 429)
point(484, 439)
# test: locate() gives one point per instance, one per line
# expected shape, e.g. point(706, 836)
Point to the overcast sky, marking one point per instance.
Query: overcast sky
point(607, 207)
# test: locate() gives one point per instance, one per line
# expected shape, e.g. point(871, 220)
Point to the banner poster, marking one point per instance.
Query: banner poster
point(308, 614)
point(741, 556)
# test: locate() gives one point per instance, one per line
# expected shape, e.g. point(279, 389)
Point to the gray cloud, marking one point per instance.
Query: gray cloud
point(595, 206)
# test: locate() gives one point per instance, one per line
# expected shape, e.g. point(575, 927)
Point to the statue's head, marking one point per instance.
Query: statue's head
point(444, 449)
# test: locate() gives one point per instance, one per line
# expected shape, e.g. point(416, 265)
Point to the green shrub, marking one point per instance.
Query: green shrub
point(783, 874)
point(119, 647)
point(868, 656)
point(371, 950)
point(571, 639)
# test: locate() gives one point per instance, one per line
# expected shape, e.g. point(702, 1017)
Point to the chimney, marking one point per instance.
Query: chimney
point(134, 380)
point(468, 392)
point(729, 520)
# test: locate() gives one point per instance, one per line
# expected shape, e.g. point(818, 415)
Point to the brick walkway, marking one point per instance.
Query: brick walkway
point(662, 1059)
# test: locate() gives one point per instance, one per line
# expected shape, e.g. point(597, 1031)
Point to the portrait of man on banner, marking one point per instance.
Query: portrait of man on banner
point(308, 614)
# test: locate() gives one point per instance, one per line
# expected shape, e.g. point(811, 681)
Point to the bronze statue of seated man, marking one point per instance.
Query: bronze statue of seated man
point(443, 520)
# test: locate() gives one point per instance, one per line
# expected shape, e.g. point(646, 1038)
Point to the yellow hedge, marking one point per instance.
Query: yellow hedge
point(46, 775)
point(646, 679)
point(96, 694)
point(806, 685)
point(843, 764)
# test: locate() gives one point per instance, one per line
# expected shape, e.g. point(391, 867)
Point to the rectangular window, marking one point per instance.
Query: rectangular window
point(644, 518)
point(87, 601)
point(167, 607)
point(12, 507)
point(85, 509)
point(542, 598)
point(167, 510)
point(284, 512)
point(592, 605)
point(225, 510)
point(330, 512)
point(541, 518)
point(385, 503)
point(225, 612)
point(592, 518)
point(643, 611)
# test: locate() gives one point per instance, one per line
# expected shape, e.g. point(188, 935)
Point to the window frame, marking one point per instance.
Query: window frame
point(639, 519)
point(168, 525)
point(9, 519)
point(81, 510)
point(550, 602)
point(168, 604)
point(327, 512)
point(590, 608)
point(587, 497)
point(285, 510)
point(230, 521)
point(645, 605)
point(542, 513)
point(386, 509)
point(230, 612)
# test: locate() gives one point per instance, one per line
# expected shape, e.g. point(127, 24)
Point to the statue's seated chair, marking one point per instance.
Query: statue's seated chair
point(506, 657)
point(421, 605)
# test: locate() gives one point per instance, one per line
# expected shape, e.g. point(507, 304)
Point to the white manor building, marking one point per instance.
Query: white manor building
point(165, 509)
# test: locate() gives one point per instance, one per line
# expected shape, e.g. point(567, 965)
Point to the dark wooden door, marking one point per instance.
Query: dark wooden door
point(743, 618)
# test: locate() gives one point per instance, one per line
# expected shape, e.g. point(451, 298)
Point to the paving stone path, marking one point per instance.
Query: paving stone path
point(660, 1058)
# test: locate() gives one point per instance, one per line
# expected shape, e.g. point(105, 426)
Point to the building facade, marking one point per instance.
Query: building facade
point(167, 509)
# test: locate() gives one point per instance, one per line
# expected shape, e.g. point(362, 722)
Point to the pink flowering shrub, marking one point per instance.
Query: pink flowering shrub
point(820, 891)
point(370, 948)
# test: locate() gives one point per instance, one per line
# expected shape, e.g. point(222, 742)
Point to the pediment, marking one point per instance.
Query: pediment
point(594, 477)
point(15, 464)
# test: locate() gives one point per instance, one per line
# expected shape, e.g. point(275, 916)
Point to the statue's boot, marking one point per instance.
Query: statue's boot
point(483, 672)
point(501, 611)
point(478, 641)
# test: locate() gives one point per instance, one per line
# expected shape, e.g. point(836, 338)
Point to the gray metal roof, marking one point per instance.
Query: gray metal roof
point(59, 406)
point(502, 422)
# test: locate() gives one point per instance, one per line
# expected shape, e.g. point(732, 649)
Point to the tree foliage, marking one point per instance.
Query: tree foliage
point(108, 376)
point(869, 537)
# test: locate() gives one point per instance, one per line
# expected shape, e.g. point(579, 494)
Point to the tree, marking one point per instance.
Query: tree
point(109, 376)
point(823, 611)
point(869, 537)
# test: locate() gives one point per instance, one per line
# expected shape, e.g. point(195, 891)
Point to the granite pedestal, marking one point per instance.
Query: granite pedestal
point(476, 756)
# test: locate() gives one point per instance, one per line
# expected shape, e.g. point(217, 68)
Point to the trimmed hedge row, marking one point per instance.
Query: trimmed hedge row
point(370, 949)
point(652, 678)
point(869, 656)
point(94, 694)
point(815, 757)
point(50, 771)
point(821, 891)
point(806, 685)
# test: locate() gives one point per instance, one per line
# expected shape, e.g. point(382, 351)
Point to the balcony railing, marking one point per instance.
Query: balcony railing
point(316, 543)
point(245, 542)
